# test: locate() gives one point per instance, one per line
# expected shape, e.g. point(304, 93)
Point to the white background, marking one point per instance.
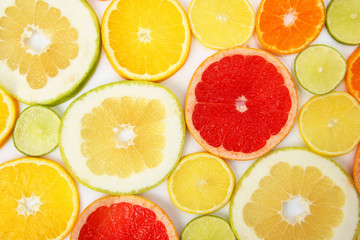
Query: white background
point(178, 84)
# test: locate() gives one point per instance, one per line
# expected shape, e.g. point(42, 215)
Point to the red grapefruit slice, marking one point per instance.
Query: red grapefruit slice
point(123, 218)
point(241, 103)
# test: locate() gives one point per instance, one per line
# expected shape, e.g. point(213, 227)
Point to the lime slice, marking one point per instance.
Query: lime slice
point(293, 193)
point(207, 228)
point(343, 21)
point(123, 138)
point(320, 69)
point(36, 131)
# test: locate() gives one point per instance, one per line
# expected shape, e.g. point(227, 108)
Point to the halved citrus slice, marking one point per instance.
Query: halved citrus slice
point(47, 48)
point(222, 24)
point(287, 27)
point(352, 78)
point(356, 170)
point(293, 193)
point(241, 103)
point(146, 39)
point(9, 110)
point(123, 217)
point(330, 124)
point(124, 137)
point(202, 183)
point(38, 200)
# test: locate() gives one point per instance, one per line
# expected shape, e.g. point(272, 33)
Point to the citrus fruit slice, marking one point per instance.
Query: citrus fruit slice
point(287, 27)
point(47, 48)
point(124, 137)
point(39, 200)
point(208, 228)
point(293, 193)
point(9, 110)
point(352, 78)
point(356, 170)
point(329, 124)
point(123, 217)
point(221, 24)
point(147, 39)
point(320, 69)
point(241, 103)
point(196, 189)
point(36, 131)
point(343, 21)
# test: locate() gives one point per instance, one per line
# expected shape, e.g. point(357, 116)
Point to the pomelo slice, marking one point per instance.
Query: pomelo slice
point(123, 217)
point(241, 103)
point(124, 137)
point(293, 193)
point(47, 48)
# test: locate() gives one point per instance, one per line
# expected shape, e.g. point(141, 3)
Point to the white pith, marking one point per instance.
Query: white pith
point(29, 206)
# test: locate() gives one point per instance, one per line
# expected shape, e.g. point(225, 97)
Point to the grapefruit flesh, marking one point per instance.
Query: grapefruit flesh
point(124, 218)
point(241, 103)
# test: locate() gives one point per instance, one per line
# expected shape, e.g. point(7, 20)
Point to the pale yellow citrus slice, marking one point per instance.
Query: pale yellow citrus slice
point(293, 193)
point(146, 39)
point(220, 24)
point(9, 110)
point(330, 124)
point(38, 200)
point(202, 183)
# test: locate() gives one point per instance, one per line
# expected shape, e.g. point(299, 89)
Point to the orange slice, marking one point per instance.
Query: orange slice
point(9, 110)
point(287, 27)
point(356, 170)
point(352, 79)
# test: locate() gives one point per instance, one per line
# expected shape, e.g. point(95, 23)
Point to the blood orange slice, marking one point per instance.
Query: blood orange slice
point(123, 217)
point(241, 103)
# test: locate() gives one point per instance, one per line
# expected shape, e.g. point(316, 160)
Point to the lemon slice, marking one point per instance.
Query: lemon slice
point(222, 24)
point(202, 183)
point(293, 193)
point(146, 39)
point(39, 200)
point(48, 49)
point(330, 124)
point(124, 137)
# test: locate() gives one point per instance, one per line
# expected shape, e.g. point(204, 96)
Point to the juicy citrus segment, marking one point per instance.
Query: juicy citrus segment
point(102, 126)
point(287, 27)
point(123, 217)
point(39, 200)
point(356, 170)
point(8, 113)
point(158, 39)
point(352, 79)
point(329, 124)
point(124, 137)
point(311, 200)
point(207, 228)
point(222, 24)
point(197, 189)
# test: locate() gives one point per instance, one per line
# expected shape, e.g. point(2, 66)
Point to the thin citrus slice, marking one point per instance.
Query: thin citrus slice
point(123, 217)
point(202, 183)
point(222, 24)
point(207, 228)
point(293, 193)
point(124, 137)
point(241, 103)
point(330, 124)
point(356, 170)
point(352, 78)
point(146, 39)
point(287, 27)
point(36, 131)
point(320, 69)
point(39, 200)
point(48, 48)
point(9, 110)
point(343, 21)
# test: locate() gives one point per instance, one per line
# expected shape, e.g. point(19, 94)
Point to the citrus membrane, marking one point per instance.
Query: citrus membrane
point(36, 131)
point(320, 69)
point(39, 200)
point(47, 48)
point(293, 193)
point(9, 110)
point(124, 137)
